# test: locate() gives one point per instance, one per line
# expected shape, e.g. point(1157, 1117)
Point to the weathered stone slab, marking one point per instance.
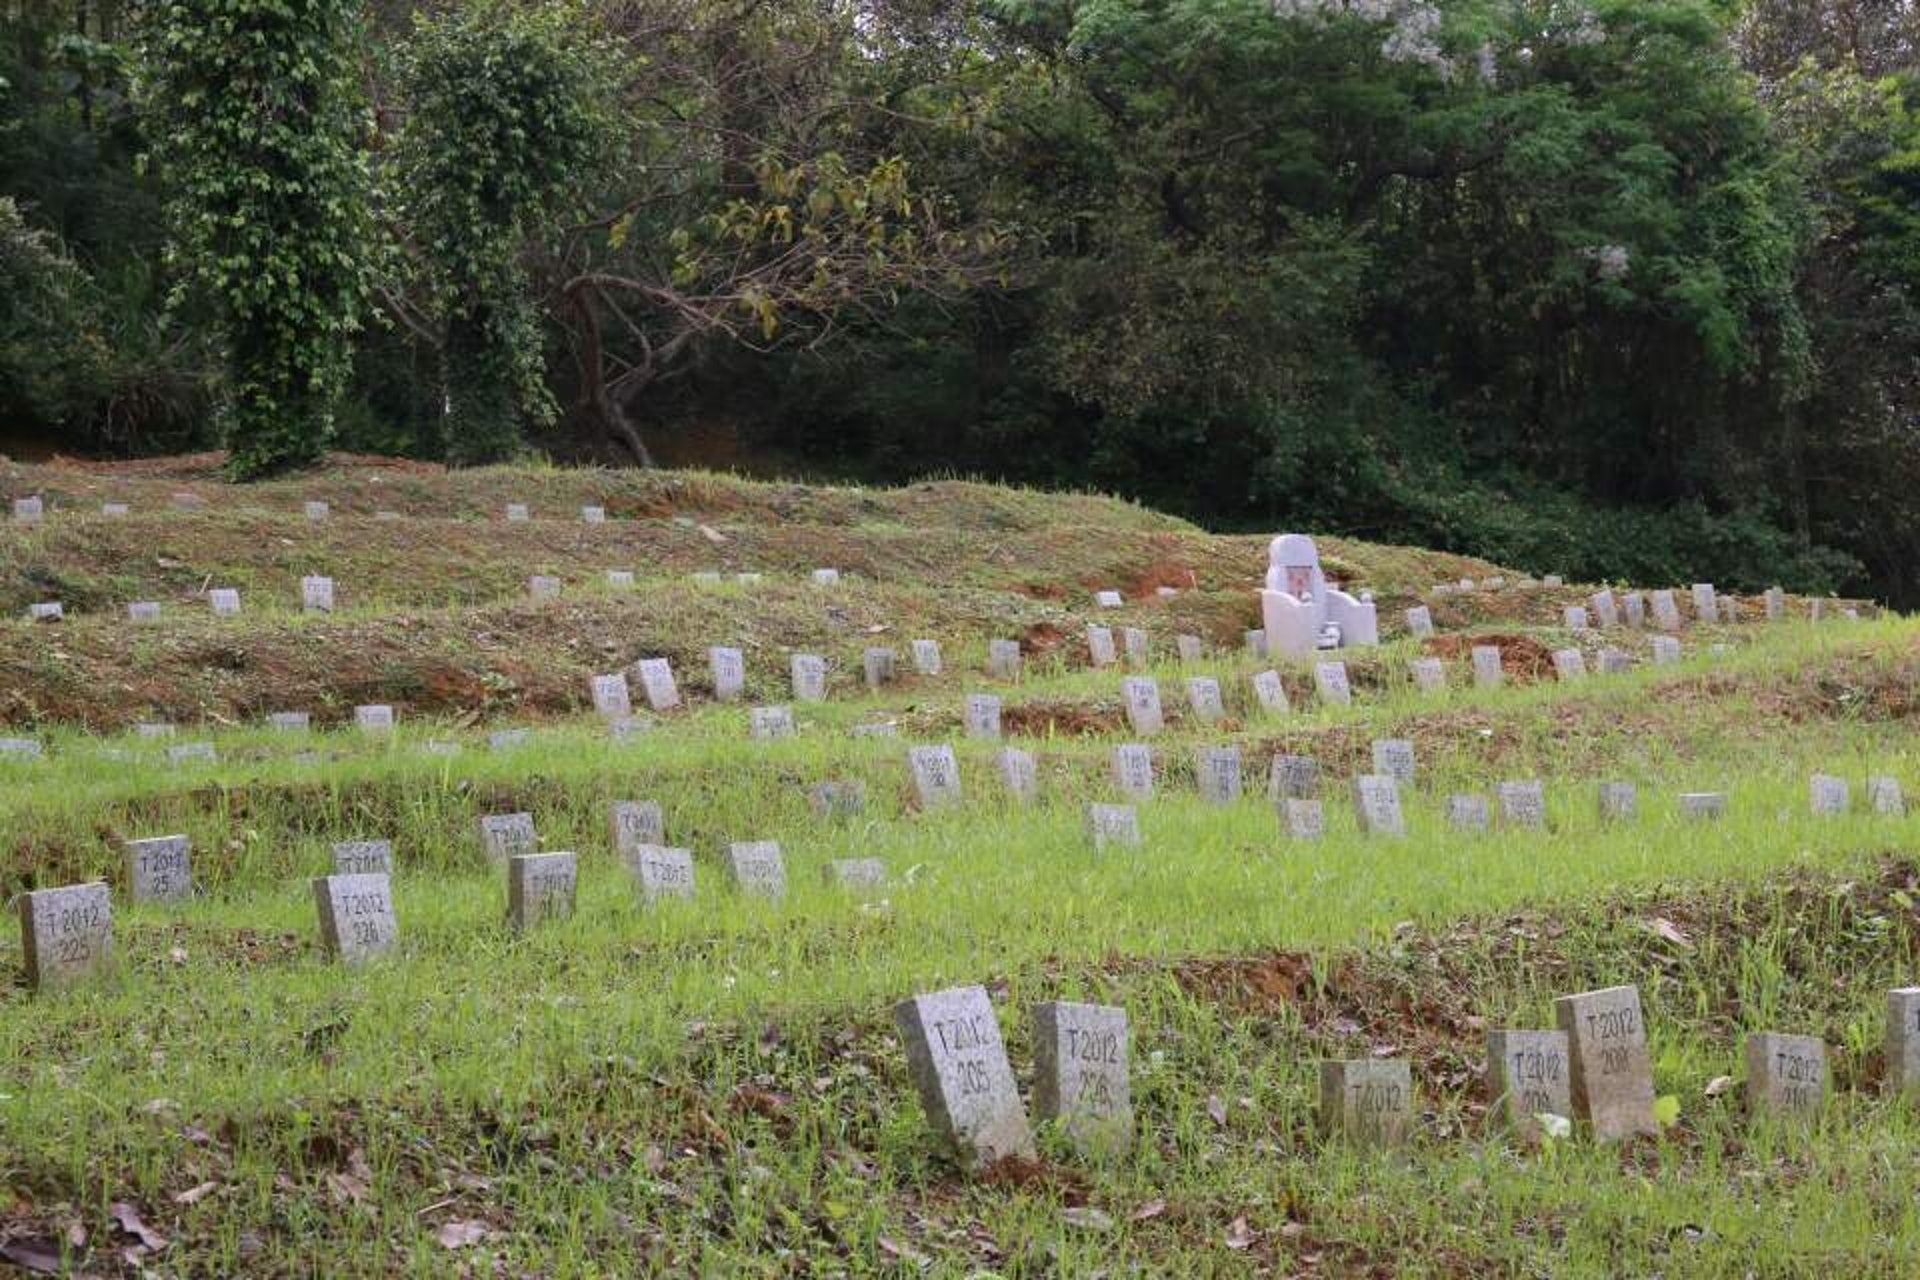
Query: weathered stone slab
point(611, 698)
point(357, 920)
point(625, 729)
point(880, 666)
point(1189, 648)
point(876, 729)
point(1666, 650)
point(1420, 621)
point(509, 739)
point(1204, 699)
point(1139, 648)
point(1256, 643)
point(959, 1068)
point(809, 672)
point(1574, 617)
point(543, 586)
point(1827, 796)
point(318, 512)
point(1293, 778)
point(1429, 674)
point(1113, 824)
point(1394, 757)
point(1487, 670)
point(21, 749)
point(1218, 774)
point(1019, 773)
point(1634, 606)
point(1080, 1080)
point(1529, 1075)
point(289, 721)
point(506, 835)
point(620, 579)
point(1615, 662)
point(1376, 803)
point(1305, 819)
point(1270, 693)
point(1612, 1068)
point(1133, 770)
point(1884, 797)
point(114, 509)
point(1330, 682)
point(1605, 609)
point(143, 611)
point(757, 868)
point(926, 657)
point(1142, 695)
point(855, 873)
point(766, 724)
point(660, 872)
point(541, 887)
point(363, 858)
point(67, 935)
point(1666, 613)
point(1471, 813)
point(1569, 664)
point(826, 577)
point(1552, 580)
point(29, 510)
point(729, 670)
point(633, 823)
point(316, 593)
point(160, 869)
point(46, 611)
point(1703, 805)
point(593, 515)
point(517, 513)
point(1776, 604)
point(375, 718)
point(1100, 650)
point(657, 684)
point(1902, 1042)
point(983, 716)
point(1619, 802)
point(1705, 606)
point(1729, 611)
point(936, 775)
point(1523, 804)
point(153, 729)
point(1003, 659)
point(838, 798)
point(1108, 599)
point(224, 601)
point(1786, 1075)
point(1367, 1101)
point(192, 753)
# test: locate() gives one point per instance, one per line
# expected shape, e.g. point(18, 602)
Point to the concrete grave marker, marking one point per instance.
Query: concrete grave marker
point(1604, 608)
point(1786, 1075)
point(1113, 824)
point(432, 748)
point(1529, 1074)
point(1703, 805)
point(1705, 607)
point(1429, 674)
point(1634, 607)
point(374, 718)
point(1394, 757)
point(187, 502)
point(1019, 773)
point(1902, 1043)
point(1612, 1069)
point(289, 721)
point(1487, 671)
point(936, 775)
point(766, 724)
point(144, 611)
point(1107, 599)
point(1368, 1101)
point(1614, 662)
point(1776, 604)
point(635, 823)
point(826, 577)
point(706, 578)
point(1469, 813)
point(541, 887)
point(1219, 774)
point(1293, 778)
point(1569, 664)
point(856, 873)
point(113, 509)
point(357, 921)
point(809, 672)
point(611, 698)
point(983, 716)
point(192, 752)
point(1100, 650)
point(1165, 593)
point(1575, 617)
point(625, 729)
point(363, 858)
point(507, 835)
point(1133, 770)
point(1139, 648)
point(28, 510)
point(1270, 693)
point(1523, 804)
point(1306, 819)
point(880, 665)
point(729, 670)
point(1330, 681)
point(1003, 659)
point(620, 579)
point(517, 513)
point(1666, 651)
point(160, 869)
point(153, 729)
point(1142, 696)
point(1827, 795)
point(593, 515)
point(318, 511)
point(67, 935)
point(1666, 614)
point(543, 586)
point(1420, 622)
point(661, 872)
point(1203, 697)
point(757, 868)
point(1188, 648)
point(1376, 803)
point(1884, 797)
point(224, 601)
point(1552, 580)
point(838, 798)
point(657, 683)
point(21, 749)
point(1080, 1080)
point(1619, 802)
point(747, 579)
point(959, 1068)
point(926, 657)
point(509, 739)
point(46, 611)
point(1729, 611)
point(1816, 610)
point(1256, 642)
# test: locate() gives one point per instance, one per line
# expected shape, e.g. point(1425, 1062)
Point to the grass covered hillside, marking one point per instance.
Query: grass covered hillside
point(714, 1085)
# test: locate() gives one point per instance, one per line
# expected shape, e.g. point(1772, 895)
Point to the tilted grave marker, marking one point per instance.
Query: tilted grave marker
point(1575, 617)
point(67, 935)
point(1605, 610)
point(1612, 1068)
point(357, 919)
point(960, 1070)
point(1469, 813)
point(363, 858)
point(809, 672)
point(1270, 693)
point(541, 887)
point(160, 869)
point(1330, 682)
point(1529, 1074)
point(1394, 757)
point(1003, 659)
point(1019, 773)
point(1306, 819)
point(729, 670)
point(506, 835)
point(936, 775)
point(1204, 699)
point(1113, 824)
point(634, 824)
point(611, 698)
point(1142, 696)
point(757, 868)
point(1487, 670)
point(1080, 1083)
point(660, 872)
point(1420, 621)
point(1368, 1101)
point(1376, 803)
point(1786, 1075)
point(1100, 650)
point(657, 683)
point(1133, 770)
point(1666, 613)
point(1218, 771)
point(926, 657)
point(983, 716)
point(1292, 777)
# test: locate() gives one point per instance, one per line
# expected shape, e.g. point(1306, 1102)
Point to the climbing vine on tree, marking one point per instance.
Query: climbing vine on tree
point(256, 122)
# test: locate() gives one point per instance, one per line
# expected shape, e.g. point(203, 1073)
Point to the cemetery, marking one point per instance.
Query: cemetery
point(992, 902)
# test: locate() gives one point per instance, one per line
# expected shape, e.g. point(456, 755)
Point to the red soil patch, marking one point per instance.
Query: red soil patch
point(1063, 719)
point(1042, 638)
point(1521, 657)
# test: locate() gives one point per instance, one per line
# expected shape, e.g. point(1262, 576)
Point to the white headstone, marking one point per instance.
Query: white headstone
point(46, 611)
point(1666, 650)
point(729, 670)
point(1884, 797)
point(1100, 650)
point(1142, 695)
point(983, 716)
point(318, 511)
point(316, 594)
point(1003, 659)
point(879, 666)
point(826, 577)
point(1604, 608)
point(225, 601)
point(1827, 795)
point(1666, 613)
point(1139, 649)
point(959, 1067)
point(1776, 604)
point(1330, 682)
point(1619, 802)
point(1203, 697)
point(661, 872)
point(1189, 648)
point(1569, 664)
point(363, 858)
point(1575, 617)
point(67, 935)
point(593, 515)
point(809, 673)
point(543, 586)
point(1269, 692)
point(160, 869)
point(376, 718)
point(1705, 607)
point(1113, 824)
point(1487, 670)
point(28, 510)
point(1429, 674)
point(1218, 772)
point(357, 921)
point(506, 835)
point(1394, 757)
point(926, 657)
point(1634, 606)
point(1420, 621)
point(1080, 1082)
point(517, 512)
point(611, 698)
point(757, 868)
point(1256, 641)
point(634, 823)
point(657, 683)
point(1703, 805)
point(1306, 819)
point(1293, 778)
point(765, 724)
point(1376, 803)
point(936, 775)
point(1108, 599)
point(540, 887)
point(1523, 804)
point(144, 611)
point(1467, 812)
point(1133, 770)
point(620, 579)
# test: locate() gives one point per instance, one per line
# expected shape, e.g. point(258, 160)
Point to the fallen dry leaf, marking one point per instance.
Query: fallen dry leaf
point(1151, 1209)
point(1239, 1234)
point(127, 1218)
point(40, 1256)
point(194, 1195)
point(1217, 1109)
point(1662, 927)
point(1088, 1217)
point(1719, 1085)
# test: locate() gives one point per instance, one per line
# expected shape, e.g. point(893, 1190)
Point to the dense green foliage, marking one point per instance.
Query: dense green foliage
point(1620, 289)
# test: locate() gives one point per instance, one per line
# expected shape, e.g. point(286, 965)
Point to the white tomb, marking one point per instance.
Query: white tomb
point(1301, 612)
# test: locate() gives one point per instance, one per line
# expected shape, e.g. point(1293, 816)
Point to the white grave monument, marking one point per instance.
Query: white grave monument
point(1301, 612)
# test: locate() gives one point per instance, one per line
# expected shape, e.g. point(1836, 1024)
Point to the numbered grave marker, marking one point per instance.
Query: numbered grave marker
point(838, 798)
point(856, 873)
point(1394, 757)
point(1786, 1075)
point(1019, 774)
point(1612, 1070)
point(1306, 819)
point(767, 724)
point(67, 935)
point(1523, 804)
point(1081, 1081)
point(1270, 693)
point(634, 823)
point(959, 1068)
point(1376, 803)
point(657, 683)
point(880, 665)
point(809, 672)
point(1703, 806)
point(316, 594)
point(1133, 770)
point(729, 669)
point(1619, 802)
point(1139, 648)
point(1113, 824)
point(926, 657)
point(661, 872)
point(983, 716)
point(1330, 682)
point(357, 921)
point(363, 858)
point(1529, 1075)
point(507, 835)
point(1469, 813)
point(1219, 774)
point(1142, 694)
point(541, 887)
point(1003, 659)
point(936, 775)
point(1203, 698)
point(1293, 778)
point(1827, 795)
point(757, 868)
point(1100, 650)
point(1429, 674)
point(611, 698)
point(1368, 1101)
point(160, 869)
point(1487, 671)
point(1420, 622)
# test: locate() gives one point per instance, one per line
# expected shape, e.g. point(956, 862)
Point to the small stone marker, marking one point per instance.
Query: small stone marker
point(826, 577)
point(1330, 682)
point(1219, 774)
point(432, 748)
point(21, 748)
point(46, 611)
point(143, 611)
point(757, 868)
point(1420, 622)
point(706, 578)
point(656, 681)
point(1705, 608)
point(543, 586)
point(1376, 802)
point(1203, 697)
point(729, 669)
point(1107, 599)
point(1113, 824)
point(1614, 662)
point(363, 858)
point(28, 510)
point(1776, 604)
point(747, 579)
point(188, 501)
point(1100, 650)
point(1703, 805)
point(1188, 648)
point(1552, 580)
point(1429, 674)
point(593, 515)
point(1270, 693)
point(1019, 773)
point(856, 873)
point(809, 672)
point(386, 515)
point(620, 579)
point(187, 752)
point(1816, 610)
point(1903, 1040)
point(983, 716)
point(1827, 795)
point(289, 721)
point(661, 872)
point(357, 921)
point(766, 724)
point(1394, 757)
point(1469, 813)
point(1569, 664)
point(374, 718)
point(959, 1068)
point(1884, 797)
point(838, 798)
point(1612, 1070)
point(67, 934)
point(1619, 802)
point(1293, 778)
point(1529, 1074)
point(926, 657)
point(507, 835)
point(936, 775)
point(1306, 819)
point(625, 729)
point(318, 511)
point(1786, 1075)
point(1142, 696)
point(1666, 613)
point(1487, 671)
point(160, 869)
point(153, 729)
point(517, 513)
point(1729, 611)
point(113, 509)
point(1133, 770)
point(1634, 606)
point(1080, 1074)
point(1256, 642)
point(1003, 659)
point(540, 887)
point(1368, 1101)
point(1523, 804)
point(1604, 608)
point(1575, 617)
point(611, 698)
point(635, 823)
point(508, 739)
point(225, 602)
point(1666, 651)
point(879, 665)
point(1139, 648)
